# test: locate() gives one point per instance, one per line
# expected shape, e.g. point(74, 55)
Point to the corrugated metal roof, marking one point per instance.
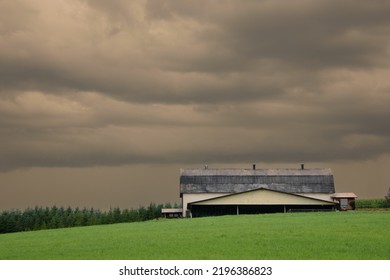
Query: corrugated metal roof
point(240, 180)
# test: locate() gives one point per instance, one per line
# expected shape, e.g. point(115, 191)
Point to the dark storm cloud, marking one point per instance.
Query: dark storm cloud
point(315, 36)
point(86, 83)
point(302, 33)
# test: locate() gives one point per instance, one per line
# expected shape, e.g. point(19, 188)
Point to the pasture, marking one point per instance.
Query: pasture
point(290, 236)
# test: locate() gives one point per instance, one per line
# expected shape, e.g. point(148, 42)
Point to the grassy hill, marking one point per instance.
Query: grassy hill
point(334, 235)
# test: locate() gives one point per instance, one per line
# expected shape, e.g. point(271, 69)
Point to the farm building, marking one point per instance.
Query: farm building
point(210, 192)
point(172, 212)
point(345, 201)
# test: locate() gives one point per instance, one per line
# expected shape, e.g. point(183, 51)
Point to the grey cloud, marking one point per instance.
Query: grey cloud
point(189, 53)
point(108, 83)
point(118, 133)
point(304, 34)
point(317, 37)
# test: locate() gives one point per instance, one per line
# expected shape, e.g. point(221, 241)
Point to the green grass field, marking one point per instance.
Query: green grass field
point(302, 236)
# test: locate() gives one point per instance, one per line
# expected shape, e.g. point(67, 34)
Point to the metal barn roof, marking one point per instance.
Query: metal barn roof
point(240, 180)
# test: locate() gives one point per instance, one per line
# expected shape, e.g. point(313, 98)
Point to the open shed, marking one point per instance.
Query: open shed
point(172, 212)
point(258, 201)
point(345, 201)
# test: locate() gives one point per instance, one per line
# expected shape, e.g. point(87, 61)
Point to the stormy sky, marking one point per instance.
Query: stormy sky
point(101, 102)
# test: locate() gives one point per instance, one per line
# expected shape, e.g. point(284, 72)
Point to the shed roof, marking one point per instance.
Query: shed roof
point(171, 210)
point(240, 180)
point(344, 195)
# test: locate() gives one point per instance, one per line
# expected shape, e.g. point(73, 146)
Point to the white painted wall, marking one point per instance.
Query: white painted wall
point(263, 197)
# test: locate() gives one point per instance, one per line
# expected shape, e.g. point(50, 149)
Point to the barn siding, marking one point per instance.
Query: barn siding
point(263, 197)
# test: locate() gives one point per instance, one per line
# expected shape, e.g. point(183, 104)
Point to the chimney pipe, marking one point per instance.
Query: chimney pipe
point(254, 166)
point(302, 166)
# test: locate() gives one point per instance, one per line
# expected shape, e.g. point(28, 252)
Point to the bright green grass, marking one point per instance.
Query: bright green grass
point(335, 235)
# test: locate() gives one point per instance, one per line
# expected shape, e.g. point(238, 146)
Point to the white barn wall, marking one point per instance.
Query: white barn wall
point(264, 197)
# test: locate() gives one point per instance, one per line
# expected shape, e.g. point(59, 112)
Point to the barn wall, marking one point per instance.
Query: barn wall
point(263, 197)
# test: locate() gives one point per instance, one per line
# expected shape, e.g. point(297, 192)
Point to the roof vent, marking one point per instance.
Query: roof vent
point(302, 166)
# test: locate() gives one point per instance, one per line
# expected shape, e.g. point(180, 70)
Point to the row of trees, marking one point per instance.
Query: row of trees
point(59, 217)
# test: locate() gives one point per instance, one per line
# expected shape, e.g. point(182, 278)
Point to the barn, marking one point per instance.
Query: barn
point(212, 192)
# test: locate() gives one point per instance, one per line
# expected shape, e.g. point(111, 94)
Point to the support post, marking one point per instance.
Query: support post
point(238, 210)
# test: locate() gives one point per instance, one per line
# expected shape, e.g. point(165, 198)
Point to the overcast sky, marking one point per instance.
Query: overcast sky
point(101, 102)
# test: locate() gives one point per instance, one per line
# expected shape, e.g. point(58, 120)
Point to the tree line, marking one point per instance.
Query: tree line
point(39, 218)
